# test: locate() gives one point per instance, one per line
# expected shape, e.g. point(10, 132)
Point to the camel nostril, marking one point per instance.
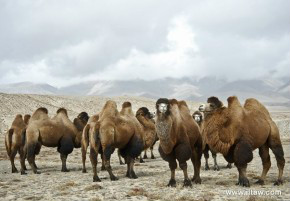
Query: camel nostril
point(201, 107)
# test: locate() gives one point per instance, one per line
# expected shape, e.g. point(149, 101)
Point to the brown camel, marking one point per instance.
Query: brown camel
point(197, 116)
point(58, 132)
point(116, 130)
point(179, 137)
point(236, 131)
point(148, 125)
point(89, 130)
point(15, 140)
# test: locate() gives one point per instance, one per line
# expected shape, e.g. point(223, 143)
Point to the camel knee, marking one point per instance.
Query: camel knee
point(278, 152)
point(108, 152)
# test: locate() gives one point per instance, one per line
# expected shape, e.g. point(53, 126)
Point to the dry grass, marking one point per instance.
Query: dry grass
point(93, 188)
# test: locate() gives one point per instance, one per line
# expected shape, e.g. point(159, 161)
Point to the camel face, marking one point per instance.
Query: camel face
point(197, 118)
point(162, 107)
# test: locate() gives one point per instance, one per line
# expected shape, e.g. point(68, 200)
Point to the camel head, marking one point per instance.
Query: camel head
point(83, 116)
point(163, 106)
point(197, 116)
point(143, 111)
point(213, 103)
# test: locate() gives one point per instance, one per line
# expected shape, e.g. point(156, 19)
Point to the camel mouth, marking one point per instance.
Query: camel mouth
point(152, 115)
point(197, 118)
point(162, 107)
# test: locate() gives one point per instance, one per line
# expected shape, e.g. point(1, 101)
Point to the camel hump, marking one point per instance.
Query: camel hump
point(233, 101)
point(18, 121)
point(182, 103)
point(61, 110)
point(83, 116)
point(42, 109)
point(26, 118)
point(126, 104)
point(143, 110)
point(173, 102)
point(252, 104)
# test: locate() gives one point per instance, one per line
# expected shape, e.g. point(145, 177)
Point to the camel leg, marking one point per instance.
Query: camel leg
point(196, 157)
point(22, 160)
point(264, 154)
point(107, 156)
point(120, 158)
point(279, 155)
point(152, 155)
point(186, 182)
point(145, 154)
point(141, 159)
point(94, 162)
point(12, 157)
point(130, 168)
point(172, 166)
point(31, 157)
point(103, 168)
point(37, 151)
point(206, 156)
point(63, 158)
point(243, 180)
point(215, 167)
point(84, 155)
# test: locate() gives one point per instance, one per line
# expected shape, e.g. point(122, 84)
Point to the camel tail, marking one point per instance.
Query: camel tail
point(95, 137)
point(9, 141)
point(23, 137)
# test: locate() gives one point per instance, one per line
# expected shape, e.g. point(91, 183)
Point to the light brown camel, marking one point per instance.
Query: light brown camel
point(236, 131)
point(15, 140)
point(197, 116)
point(116, 130)
point(179, 137)
point(148, 125)
point(58, 132)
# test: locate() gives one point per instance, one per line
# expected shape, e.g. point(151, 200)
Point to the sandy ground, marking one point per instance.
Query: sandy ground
point(153, 175)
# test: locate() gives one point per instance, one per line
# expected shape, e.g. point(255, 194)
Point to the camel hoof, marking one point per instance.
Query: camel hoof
point(206, 167)
point(216, 168)
point(142, 161)
point(260, 181)
point(172, 183)
point(196, 180)
point(65, 170)
point(114, 178)
point(145, 157)
point(25, 168)
point(152, 157)
point(243, 182)
point(229, 166)
point(23, 173)
point(96, 179)
point(133, 175)
point(84, 171)
point(14, 170)
point(187, 183)
point(278, 182)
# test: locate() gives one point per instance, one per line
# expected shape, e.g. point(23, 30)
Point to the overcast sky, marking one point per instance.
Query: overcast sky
point(64, 42)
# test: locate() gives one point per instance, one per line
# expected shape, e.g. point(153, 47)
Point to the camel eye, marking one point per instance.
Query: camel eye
point(211, 105)
point(162, 107)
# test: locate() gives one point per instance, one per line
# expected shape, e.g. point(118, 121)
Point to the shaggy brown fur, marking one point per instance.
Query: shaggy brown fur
point(117, 130)
point(180, 138)
point(57, 132)
point(197, 116)
point(15, 140)
point(236, 131)
point(149, 133)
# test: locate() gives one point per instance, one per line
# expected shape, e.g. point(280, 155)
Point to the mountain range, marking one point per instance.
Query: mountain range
point(271, 91)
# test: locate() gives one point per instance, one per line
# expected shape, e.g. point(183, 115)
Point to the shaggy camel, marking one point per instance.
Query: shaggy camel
point(179, 137)
point(89, 130)
point(236, 131)
point(197, 116)
point(116, 130)
point(149, 133)
point(15, 140)
point(57, 132)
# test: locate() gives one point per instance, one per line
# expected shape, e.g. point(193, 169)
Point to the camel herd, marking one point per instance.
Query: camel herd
point(234, 131)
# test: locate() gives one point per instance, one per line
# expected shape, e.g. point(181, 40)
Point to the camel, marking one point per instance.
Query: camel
point(197, 116)
point(88, 130)
point(58, 132)
point(15, 140)
point(180, 138)
point(148, 125)
point(236, 131)
point(116, 130)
